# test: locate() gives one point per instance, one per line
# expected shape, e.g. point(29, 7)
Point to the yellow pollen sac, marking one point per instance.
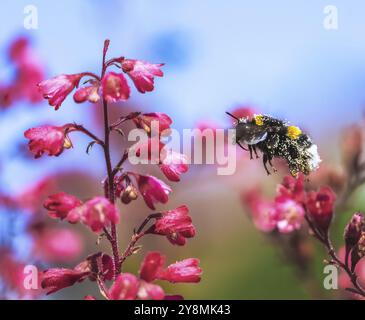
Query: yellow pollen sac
point(67, 144)
point(258, 119)
point(146, 128)
point(294, 132)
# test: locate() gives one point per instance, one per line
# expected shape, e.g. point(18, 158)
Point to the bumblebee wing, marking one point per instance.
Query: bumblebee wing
point(257, 137)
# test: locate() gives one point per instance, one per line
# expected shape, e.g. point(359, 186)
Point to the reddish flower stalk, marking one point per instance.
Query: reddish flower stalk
point(100, 214)
point(110, 193)
point(326, 241)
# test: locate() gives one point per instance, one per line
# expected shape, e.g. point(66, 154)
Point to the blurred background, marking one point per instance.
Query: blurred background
point(275, 57)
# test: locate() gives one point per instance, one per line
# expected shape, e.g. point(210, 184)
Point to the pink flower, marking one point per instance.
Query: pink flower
point(153, 190)
point(7, 96)
point(60, 204)
point(290, 215)
point(89, 297)
point(56, 90)
point(186, 270)
point(96, 213)
point(31, 198)
point(264, 216)
point(50, 139)
point(58, 278)
point(94, 266)
point(115, 87)
point(125, 287)
point(150, 291)
point(292, 188)
point(129, 287)
point(263, 212)
point(88, 93)
point(57, 245)
point(144, 121)
point(13, 276)
point(173, 165)
point(29, 72)
point(244, 112)
point(142, 73)
point(151, 266)
point(175, 224)
point(320, 207)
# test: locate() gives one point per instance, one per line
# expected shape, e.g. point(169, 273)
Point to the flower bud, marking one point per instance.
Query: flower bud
point(320, 207)
point(361, 244)
point(129, 194)
point(353, 230)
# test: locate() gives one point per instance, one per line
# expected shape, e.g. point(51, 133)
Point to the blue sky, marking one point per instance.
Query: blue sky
point(275, 55)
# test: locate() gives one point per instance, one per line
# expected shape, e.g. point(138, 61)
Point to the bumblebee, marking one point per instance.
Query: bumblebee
point(277, 139)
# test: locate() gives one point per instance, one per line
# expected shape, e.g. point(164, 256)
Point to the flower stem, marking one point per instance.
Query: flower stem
point(131, 247)
point(110, 190)
point(326, 241)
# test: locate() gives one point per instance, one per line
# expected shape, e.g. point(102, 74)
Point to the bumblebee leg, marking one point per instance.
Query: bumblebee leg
point(265, 160)
point(254, 150)
point(239, 143)
point(250, 149)
point(273, 168)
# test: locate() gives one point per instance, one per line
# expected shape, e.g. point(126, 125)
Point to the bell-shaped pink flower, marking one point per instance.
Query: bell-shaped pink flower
point(176, 225)
point(125, 287)
point(186, 270)
point(29, 71)
point(290, 215)
point(173, 165)
point(115, 87)
point(153, 190)
point(142, 73)
point(263, 212)
point(151, 266)
point(96, 213)
point(88, 93)
point(56, 90)
point(161, 121)
point(58, 278)
point(48, 139)
point(150, 291)
point(320, 206)
point(60, 204)
point(292, 188)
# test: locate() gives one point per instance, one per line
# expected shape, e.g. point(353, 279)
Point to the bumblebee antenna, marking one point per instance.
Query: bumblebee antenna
point(231, 115)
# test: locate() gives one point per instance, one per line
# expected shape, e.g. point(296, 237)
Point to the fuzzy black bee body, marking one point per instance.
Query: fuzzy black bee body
point(277, 139)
